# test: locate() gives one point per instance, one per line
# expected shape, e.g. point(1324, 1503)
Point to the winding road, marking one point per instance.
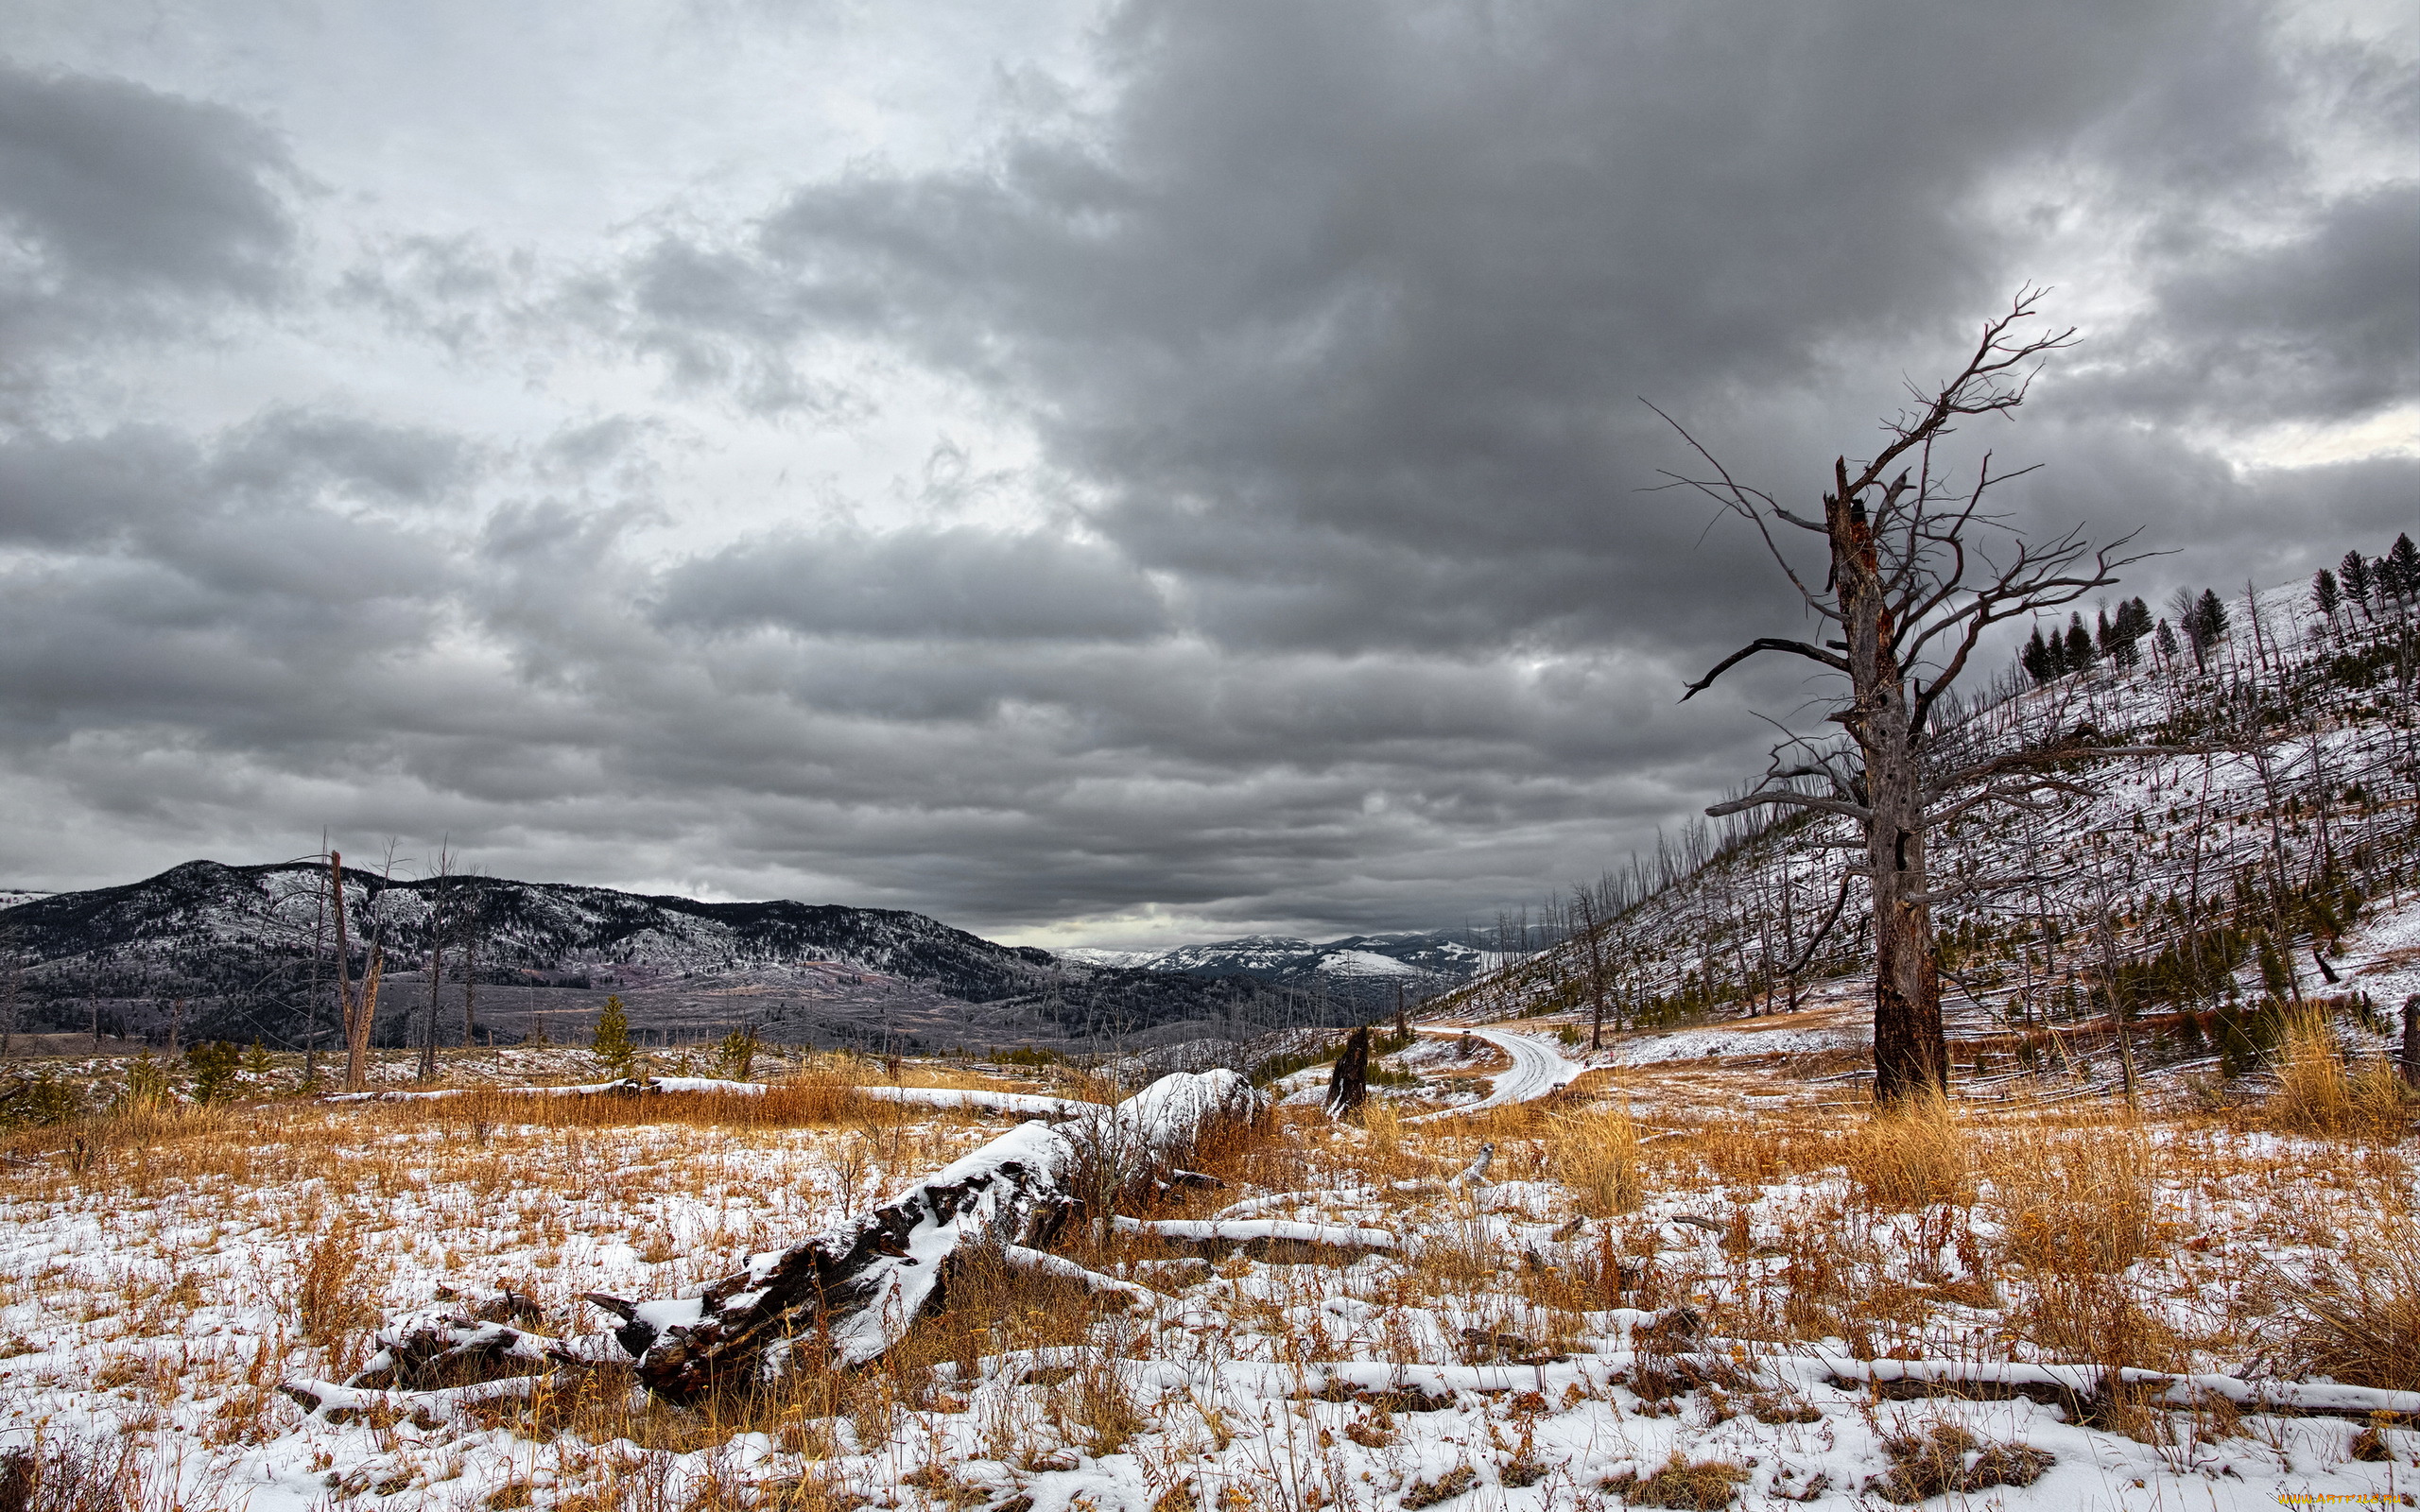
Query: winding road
point(1538, 1068)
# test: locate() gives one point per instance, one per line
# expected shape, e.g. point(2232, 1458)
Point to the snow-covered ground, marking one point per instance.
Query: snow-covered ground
point(1508, 1346)
point(1537, 1070)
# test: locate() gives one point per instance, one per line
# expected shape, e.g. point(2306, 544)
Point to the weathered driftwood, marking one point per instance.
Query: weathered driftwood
point(853, 1290)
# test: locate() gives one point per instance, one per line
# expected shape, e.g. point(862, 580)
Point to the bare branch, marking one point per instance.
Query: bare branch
point(1789, 798)
point(1763, 643)
point(1831, 917)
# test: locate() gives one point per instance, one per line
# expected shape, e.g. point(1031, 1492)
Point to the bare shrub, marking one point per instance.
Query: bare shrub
point(328, 1295)
point(2317, 1094)
point(2078, 1203)
point(1444, 1488)
point(1947, 1458)
point(2096, 1319)
point(1705, 1485)
point(69, 1475)
point(2359, 1321)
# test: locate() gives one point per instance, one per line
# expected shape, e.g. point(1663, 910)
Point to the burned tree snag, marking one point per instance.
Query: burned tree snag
point(1348, 1085)
point(1910, 588)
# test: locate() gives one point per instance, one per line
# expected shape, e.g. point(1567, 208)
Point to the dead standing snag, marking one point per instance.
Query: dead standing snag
point(1907, 597)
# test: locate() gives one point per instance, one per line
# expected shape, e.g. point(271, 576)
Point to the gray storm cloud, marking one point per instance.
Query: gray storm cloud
point(1313, 575)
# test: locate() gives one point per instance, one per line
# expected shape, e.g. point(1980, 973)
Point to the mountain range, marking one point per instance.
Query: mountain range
point(243, 953)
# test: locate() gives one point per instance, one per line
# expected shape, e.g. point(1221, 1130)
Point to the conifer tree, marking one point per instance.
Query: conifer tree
point(2355, 572)
point(2036, 658)
point(612, 1044)
point(2402, 561)
point(2211, 615)
point(2078, 645)
point(2324, 595)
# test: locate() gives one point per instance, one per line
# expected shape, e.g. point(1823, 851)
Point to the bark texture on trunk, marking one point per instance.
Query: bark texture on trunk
point(1348, 1085)
point(1910, 1058)
point(355, 1046)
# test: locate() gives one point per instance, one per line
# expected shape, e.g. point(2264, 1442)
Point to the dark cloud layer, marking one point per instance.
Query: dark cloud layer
point(126, 211)
point(955, 584)
point(1336, 593)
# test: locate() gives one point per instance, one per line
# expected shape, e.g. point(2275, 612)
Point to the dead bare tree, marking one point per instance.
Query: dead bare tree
point(1594, 916)
point(440, 910)
point(1910, 592)
point(355, 1046)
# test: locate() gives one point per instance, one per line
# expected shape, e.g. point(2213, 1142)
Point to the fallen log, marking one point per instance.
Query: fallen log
point(1029, 1103)
point(853, 1290)
point(1234, 1232)
point(339, 1405)
point(1041, 1262)
point(2076, 1388)
point(625, 1087)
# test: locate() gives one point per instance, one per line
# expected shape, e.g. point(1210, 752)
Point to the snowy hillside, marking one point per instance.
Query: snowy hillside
point(2203, 892)
point(1421, 963)
point(243, 953)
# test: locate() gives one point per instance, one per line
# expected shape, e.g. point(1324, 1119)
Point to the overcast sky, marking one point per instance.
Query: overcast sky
point(1097, 475)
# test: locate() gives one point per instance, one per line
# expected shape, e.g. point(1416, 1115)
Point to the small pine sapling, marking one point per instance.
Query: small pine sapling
point(736, 1054)
point(214, 1067)
point(612, 1043)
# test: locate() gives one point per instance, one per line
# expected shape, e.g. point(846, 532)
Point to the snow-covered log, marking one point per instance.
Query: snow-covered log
point(2074, 1386)
point(1040, 1263)
point(1028, 1104)
point(857, 1287)
point(423, 1349)
point(336, 1405)
point(625, 1087)
point(1237, 1231)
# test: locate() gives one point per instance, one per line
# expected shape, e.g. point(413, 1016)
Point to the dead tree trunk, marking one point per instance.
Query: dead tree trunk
point(355, 1075)
point(1910, 1055)
point(1593, 915)
point(1348, 1085)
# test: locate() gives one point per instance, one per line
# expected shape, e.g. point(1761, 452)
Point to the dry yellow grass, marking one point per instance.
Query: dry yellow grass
point(1912, 1155)
point(2318, 1095)
point(1938, 1229)
point(1595, 1153)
